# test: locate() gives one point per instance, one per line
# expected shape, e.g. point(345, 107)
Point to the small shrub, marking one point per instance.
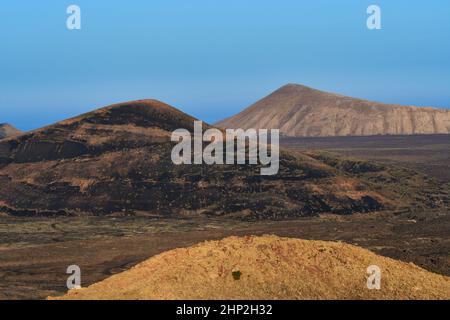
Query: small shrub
point(236, 275)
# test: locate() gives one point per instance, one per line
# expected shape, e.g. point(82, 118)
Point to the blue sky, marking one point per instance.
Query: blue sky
point(213, 58)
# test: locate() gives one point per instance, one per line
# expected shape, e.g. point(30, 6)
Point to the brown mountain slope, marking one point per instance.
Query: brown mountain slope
point(7, 130)
point(267, 267)
point(116, 160)
point(301, 111)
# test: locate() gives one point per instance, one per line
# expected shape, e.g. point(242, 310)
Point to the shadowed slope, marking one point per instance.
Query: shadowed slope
point(116, 160)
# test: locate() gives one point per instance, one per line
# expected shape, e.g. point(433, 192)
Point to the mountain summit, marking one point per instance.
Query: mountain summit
point(305, 112)
point(7, 130)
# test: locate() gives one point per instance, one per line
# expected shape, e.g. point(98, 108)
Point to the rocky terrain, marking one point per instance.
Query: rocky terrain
point(35, 251)
point(7, 130)
point(300, 111)
point(265, 268)
point(116, 161)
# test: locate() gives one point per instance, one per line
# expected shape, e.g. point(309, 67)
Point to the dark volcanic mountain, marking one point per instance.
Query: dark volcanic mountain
point(304, 112)
point(116, 160)
point(7, 130)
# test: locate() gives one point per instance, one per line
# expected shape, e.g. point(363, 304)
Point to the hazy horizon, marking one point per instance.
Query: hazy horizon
point(210, 120)
point(212, 60)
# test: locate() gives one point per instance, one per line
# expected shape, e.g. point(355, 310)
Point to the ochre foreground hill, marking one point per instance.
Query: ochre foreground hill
point(267, 267)
point(117, 160)
point(304, 112)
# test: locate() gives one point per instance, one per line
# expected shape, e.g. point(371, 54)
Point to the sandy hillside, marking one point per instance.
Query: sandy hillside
point(117, 160)
point(305, 112)
point(267, 267)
